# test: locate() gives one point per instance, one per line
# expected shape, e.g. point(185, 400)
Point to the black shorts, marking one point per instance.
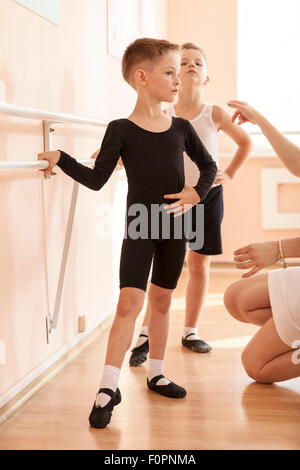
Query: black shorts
point(213, 216)
point(136, 258)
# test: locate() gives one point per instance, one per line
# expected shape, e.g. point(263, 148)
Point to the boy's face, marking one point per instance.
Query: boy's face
point(193, 68)
point(163, 80)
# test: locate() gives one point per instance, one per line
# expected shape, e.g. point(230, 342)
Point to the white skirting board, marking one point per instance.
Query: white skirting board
point(36, 373)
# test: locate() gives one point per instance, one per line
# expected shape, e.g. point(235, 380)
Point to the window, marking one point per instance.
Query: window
point(268, 60)
point(49, 9)
point(124, 24)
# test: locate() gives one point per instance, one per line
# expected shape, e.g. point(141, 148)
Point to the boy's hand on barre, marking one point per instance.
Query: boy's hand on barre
point(187, 198)
point(256, 256)
point(244, 113)
point(51, 157)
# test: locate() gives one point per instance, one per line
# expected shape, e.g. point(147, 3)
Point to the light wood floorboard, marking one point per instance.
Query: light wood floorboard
point(224, 408)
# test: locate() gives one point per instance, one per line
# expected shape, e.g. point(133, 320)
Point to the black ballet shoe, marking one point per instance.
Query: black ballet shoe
point(100, 416)
point(171, 390)
point(196, 345)
point(139, 354)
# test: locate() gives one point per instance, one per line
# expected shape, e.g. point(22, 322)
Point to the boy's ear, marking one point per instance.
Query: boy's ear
point(140, 77)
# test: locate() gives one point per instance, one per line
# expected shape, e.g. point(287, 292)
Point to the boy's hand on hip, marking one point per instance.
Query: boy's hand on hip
point(51, 157)
point(219, 177)
point(120, 164)
point(187, 198)
point(222, 178)
point(95, 154)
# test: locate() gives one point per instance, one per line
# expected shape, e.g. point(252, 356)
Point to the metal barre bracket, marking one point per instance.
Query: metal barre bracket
point(51, 321)
point(48, 141)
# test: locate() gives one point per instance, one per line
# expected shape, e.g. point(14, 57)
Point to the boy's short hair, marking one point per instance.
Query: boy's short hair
point(192, 45)
point(144, 49)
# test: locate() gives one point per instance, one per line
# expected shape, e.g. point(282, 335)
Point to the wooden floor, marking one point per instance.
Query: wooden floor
point(223, 408)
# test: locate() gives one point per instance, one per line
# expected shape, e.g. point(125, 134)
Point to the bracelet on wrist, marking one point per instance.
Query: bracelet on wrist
point(281, 259)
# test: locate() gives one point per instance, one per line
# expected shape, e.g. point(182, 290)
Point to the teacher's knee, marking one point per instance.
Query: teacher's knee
point(233, 301)
point(253, 368)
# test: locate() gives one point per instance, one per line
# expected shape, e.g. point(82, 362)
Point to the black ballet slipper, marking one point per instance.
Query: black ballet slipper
point(196, 345)
point(100, 416)
point(139, 354)
point(171, 390)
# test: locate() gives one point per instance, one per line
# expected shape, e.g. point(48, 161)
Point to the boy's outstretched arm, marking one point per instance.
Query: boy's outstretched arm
point(120, 161)
point(223, 121)
point(105, 162)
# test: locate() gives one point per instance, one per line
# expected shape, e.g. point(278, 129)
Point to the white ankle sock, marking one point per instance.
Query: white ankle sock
point(156, 367)
point(109, 380)
point(188, 330)
point(142, 339)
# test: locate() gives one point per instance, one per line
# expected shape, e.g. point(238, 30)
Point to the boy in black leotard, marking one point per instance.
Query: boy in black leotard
point(151, 145)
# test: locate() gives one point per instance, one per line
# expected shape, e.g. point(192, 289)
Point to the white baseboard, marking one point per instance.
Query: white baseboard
point(15, 395)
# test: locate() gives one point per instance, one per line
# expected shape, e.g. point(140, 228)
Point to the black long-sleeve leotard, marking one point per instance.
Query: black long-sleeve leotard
point(153, 161)
point(154, 166)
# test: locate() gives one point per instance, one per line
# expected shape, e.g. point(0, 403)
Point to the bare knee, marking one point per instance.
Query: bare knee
point(233, 302)
point(253, 368)
point(198, 265)
point(248, 364)
point(129, 305)
point(160, 301)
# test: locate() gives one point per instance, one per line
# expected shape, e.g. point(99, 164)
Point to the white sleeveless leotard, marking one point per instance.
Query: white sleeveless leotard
point(205, 128)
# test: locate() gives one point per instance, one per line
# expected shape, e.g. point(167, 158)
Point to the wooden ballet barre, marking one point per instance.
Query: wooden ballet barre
point(49, 120)
point(31, 113)
point(36, 165)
